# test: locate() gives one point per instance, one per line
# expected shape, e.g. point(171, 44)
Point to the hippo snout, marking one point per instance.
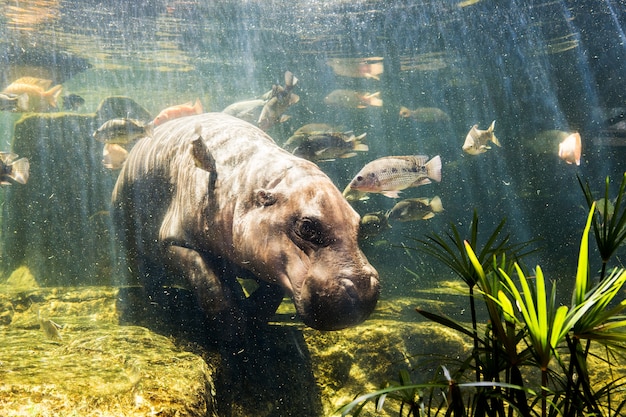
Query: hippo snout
point(340, 302)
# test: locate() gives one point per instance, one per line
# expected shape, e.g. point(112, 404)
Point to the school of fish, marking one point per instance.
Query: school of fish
point(316, 141)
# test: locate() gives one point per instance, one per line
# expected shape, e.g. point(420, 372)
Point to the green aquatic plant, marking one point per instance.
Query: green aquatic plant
point(528, 333)
point(449, 249)
point(609, 222)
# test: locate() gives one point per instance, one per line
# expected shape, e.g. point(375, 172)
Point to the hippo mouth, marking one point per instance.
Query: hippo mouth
point(338, 303)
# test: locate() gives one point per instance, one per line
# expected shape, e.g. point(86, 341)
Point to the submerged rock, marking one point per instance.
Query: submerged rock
point(97, 367)
point(58, 224)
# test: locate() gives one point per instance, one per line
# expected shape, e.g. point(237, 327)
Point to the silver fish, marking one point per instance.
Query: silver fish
point(322, 142)
point(14, 102)
point(279, 100)
point(476, 141)
point(13, 169)
point(49, 328)
point(122, 131)
point(424, 114)
point(391, 174)
point(369, 68)
point(416, 209)
point(353, 99)
point(248, 110)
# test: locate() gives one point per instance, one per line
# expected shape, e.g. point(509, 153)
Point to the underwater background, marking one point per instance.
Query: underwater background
point(532, 66)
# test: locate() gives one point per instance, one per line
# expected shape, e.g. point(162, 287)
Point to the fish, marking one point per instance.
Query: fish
point(13, 102)
point(72, 102)
point(13, 169)
point(353, 99)
point(322, 142)
point(122, 131)
point(50, 328)
point(180, 110)
point(424, 114)
point(279, 99)
point(40, 96)
point(248, 110)
point(412, 209)
point(369, 68)
point(608, 205)
point(476, 140)
point(570, 149)
point(113, 156)
point(391, 174)
point(373, 224)
point(352, 195)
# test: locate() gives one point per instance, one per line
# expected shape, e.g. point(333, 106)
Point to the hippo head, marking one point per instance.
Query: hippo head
point(301, 233)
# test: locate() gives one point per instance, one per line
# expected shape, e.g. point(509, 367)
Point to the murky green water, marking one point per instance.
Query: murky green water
point(531, 66)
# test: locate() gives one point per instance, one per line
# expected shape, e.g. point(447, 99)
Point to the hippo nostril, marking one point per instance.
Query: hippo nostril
point(349, 287)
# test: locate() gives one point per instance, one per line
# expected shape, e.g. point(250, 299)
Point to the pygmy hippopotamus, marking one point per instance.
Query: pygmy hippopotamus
point(210, 198)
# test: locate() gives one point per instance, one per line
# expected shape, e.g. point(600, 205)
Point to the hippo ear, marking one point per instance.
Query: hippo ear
point(264, 197)
point(202, 156)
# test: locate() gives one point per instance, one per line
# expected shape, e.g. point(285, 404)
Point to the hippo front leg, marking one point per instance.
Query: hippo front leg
point(261, 305)
point(218, 296)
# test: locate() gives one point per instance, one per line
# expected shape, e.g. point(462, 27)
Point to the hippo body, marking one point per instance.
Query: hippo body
point(256, 211)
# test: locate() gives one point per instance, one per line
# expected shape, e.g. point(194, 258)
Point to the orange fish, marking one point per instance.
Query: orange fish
point(113, 156)
point(353, 99)
point(570, 149)
point(40, 96)
point(369, 68)
point(181, 110)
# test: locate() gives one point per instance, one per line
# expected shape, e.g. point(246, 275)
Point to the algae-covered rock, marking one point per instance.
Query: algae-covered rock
point(53, 224)
point(94, 367)
point(58, 223)
point(360, 360)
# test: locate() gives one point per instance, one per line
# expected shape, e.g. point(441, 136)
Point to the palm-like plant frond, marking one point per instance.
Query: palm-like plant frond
point(609, 224)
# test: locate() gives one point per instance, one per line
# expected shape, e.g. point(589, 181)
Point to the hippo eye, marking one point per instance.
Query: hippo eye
point(310, 230)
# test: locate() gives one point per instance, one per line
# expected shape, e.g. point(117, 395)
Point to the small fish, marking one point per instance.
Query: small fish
point(476, 140)
point(603, 204)
point(181, 110)
point(369, 68)
point(248, 110)
point(391, 174)
point(416, 209)
point(615, 126)
point(352, 195)
point(122, 131)
point(279, 99)
point(13, 169)
point(570, 149)
point(49, 328)
point(13, 102)
point(40, 96)
point(424, 114)
point(373, 224)
point(113, 156)
point(72, 102)
point(353, 99)
point(321, 142)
